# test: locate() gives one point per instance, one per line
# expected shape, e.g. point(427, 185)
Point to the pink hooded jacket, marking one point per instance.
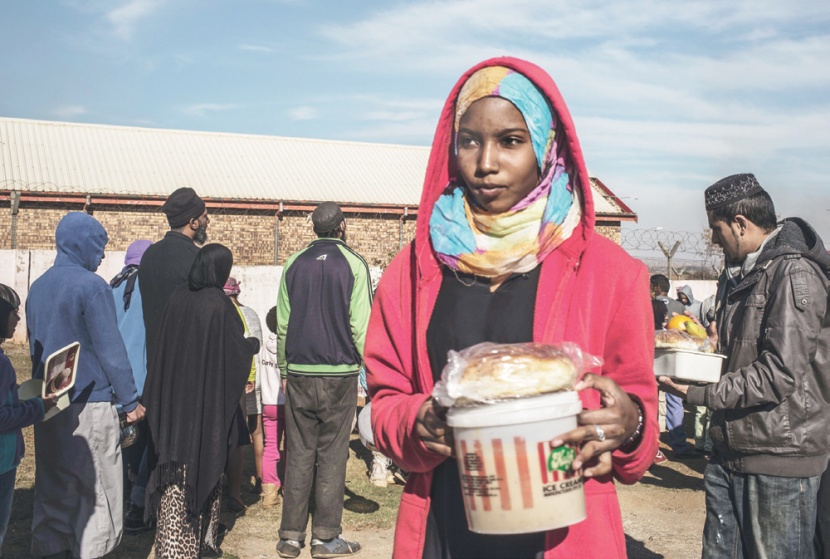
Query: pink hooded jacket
point(590, 292)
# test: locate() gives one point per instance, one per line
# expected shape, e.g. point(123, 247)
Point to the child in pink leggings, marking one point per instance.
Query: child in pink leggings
point(273, 412)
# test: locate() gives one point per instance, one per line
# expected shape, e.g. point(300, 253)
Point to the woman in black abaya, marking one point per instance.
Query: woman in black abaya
point(192, 396)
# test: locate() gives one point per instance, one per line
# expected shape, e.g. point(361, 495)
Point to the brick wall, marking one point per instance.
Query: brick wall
point(249, 234)
point(610, 229)
point(376, 237)
point(5, 227)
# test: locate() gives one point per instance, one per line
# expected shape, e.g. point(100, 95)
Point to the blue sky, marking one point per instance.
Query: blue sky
point(667, 97)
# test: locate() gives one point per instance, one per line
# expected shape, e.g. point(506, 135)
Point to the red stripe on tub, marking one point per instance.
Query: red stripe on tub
point(501, 472)
point(469, 492)
point(524, 472)
point(542, 448)
point(485, 494)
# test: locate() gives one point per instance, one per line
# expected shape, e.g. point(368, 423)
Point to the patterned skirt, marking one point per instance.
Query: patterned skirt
point(180, 537)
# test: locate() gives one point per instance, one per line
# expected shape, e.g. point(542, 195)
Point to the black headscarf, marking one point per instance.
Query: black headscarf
point(198, 374)
point(9, 295)
point(6, 309)
point(212, 267)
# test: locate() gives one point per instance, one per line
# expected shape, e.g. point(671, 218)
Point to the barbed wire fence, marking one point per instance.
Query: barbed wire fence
point(677, 254)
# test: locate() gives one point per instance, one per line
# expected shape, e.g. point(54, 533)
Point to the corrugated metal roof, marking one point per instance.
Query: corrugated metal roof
point(605, 202)
point(45, 156)
point(602, 205)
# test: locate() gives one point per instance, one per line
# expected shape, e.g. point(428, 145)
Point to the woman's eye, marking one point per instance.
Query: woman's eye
point(512, 141)
point(466, 141)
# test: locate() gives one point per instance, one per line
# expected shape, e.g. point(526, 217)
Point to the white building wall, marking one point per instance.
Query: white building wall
point(19, 268)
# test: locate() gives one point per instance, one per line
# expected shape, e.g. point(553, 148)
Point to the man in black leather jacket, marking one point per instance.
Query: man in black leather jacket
point(771, 408)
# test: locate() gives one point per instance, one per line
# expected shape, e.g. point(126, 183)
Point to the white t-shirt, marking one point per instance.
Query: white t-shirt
point(269, 373)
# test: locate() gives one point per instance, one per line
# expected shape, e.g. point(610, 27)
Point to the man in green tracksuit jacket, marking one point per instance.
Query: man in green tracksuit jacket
point(325, 298)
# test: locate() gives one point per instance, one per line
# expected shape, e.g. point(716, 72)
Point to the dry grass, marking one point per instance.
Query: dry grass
point(366, 507)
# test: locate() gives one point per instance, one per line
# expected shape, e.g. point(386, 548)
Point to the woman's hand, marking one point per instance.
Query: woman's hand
point(250, 387)
point(603, 430)
point(431, 427)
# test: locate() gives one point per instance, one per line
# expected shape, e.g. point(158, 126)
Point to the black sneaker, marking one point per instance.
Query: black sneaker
point(210, 553)
point(289, 548)
point(134, 521)
point(338, 547)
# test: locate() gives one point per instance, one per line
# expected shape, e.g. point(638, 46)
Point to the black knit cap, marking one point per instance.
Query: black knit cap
point(182, 206)
point(326, 217)
point(731, 189)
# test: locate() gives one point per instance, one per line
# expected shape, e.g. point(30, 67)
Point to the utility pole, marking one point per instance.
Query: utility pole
point(14, 197)
point(669, 254)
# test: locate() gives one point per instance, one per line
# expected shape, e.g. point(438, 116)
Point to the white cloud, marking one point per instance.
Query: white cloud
point(666, 98)
point(399, 109)
point(410, 131)
point(717, 72)
point(200, 110)
point(636, 40)
point(69, 111)
point(303, 113)
point(255, 48)
point(129, 13)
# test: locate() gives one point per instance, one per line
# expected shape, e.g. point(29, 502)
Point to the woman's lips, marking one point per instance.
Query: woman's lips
point(488, 191)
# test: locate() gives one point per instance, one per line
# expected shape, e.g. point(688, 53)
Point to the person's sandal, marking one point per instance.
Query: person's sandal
point(338, 547)
point(289, 548)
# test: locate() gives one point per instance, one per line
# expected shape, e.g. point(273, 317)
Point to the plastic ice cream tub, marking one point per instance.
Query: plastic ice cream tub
point(688, 365)
point(513, 481)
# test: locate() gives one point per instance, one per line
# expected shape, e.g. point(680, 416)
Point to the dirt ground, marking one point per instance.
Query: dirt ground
point(663, 514)
point(663, 517)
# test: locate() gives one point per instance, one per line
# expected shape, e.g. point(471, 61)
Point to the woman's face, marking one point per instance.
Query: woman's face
point(495, 154)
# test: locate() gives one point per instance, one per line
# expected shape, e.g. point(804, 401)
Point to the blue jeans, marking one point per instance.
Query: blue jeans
point(754, 516)
point(6, 497)
point(674, 424)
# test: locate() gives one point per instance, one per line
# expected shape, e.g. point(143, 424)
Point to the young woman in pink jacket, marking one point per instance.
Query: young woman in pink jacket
point(505, 251)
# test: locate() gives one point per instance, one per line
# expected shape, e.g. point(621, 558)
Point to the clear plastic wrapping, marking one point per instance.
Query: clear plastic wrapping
point(489, 372)
point(678, 339)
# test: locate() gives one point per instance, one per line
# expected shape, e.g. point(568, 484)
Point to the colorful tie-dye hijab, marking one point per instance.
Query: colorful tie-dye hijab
point(470, 239)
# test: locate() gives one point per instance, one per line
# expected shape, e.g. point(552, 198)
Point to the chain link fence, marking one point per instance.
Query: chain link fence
point(677, 254)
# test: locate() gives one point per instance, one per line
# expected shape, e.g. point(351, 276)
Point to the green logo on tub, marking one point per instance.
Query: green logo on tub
point(560, 458)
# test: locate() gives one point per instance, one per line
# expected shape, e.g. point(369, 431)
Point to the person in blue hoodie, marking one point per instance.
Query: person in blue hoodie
point(130, 314)
point(14, 414)
point(78, 509)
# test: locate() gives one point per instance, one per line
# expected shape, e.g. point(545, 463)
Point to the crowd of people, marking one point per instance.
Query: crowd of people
point(169, 348)
point(505, 251)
